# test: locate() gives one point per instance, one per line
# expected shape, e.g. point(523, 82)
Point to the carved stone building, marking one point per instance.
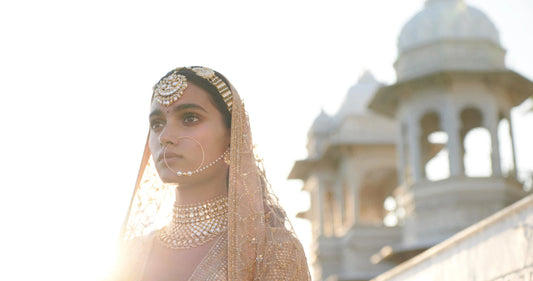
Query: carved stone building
point(391, 173)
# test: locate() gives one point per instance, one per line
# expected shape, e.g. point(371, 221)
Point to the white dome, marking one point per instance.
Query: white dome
point(322, 124)
point(359, 95)
point(446, 19)
point(448, 35)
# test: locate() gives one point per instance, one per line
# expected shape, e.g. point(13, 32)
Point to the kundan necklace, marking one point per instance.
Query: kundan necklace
point(195, 224)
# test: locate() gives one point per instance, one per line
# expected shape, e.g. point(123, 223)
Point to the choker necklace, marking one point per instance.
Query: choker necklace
point(195, 224)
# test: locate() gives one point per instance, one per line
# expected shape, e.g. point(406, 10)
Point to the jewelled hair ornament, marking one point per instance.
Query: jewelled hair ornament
point(213, 79)
point(170, 89)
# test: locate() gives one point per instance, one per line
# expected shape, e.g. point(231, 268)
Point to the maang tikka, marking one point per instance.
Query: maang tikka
point(170, 89)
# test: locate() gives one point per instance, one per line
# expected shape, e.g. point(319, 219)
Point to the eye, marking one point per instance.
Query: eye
point(189, 118)
point(155, 124)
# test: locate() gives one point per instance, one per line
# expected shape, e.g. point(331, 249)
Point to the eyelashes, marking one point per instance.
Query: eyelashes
point(190, 118)
point(155, 124)
point(186, 119)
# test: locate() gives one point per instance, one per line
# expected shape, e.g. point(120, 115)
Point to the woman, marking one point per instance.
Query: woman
point(226, 224)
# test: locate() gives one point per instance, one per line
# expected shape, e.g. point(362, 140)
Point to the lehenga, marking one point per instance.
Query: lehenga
point(259, 243)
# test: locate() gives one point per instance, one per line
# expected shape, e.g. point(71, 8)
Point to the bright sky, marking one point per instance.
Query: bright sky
point(76, 85)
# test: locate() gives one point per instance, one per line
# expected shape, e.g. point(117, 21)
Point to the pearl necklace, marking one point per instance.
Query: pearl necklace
point(195, 224)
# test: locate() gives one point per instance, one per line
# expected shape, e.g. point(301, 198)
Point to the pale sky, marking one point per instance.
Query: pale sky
point(76, 86)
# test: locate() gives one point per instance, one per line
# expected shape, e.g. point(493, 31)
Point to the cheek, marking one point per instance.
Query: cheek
point(153, 143)
point(227, 136)
point(222, 134)
point(215, 138)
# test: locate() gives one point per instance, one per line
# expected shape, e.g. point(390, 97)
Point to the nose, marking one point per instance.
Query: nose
point(167, 136)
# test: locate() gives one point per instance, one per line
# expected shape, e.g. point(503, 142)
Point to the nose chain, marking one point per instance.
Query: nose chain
point(202, 168)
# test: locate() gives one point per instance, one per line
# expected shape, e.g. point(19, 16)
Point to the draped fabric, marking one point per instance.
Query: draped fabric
point(260, 243)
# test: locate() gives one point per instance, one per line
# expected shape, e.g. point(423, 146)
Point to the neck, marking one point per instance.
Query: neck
point(205, 188)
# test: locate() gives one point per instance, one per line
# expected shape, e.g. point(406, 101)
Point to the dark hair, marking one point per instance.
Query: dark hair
point(214, 95)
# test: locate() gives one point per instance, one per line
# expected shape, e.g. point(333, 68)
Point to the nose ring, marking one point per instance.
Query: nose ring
point(186, 173)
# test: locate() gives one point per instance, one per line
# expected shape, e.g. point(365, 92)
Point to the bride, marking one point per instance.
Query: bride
point(225, 223)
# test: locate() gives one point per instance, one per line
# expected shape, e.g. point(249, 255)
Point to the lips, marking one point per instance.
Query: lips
point(168, 155)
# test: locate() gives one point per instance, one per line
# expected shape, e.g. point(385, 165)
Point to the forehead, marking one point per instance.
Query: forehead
point(191, 95)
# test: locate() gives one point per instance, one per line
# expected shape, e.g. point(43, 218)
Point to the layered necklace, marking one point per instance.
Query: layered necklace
point(195, 224)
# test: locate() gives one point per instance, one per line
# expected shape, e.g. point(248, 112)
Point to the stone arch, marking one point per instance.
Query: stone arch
point(376, 185)
point(475, 143)
point(433, 142)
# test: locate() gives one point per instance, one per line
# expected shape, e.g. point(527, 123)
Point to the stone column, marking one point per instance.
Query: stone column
point(400, 148)
point(513, 151)
point(413, 131)
point(452, 126)
point(490, 118)
point(319, 210)
point(342, 183)
point(338, 205)
point(354, 182)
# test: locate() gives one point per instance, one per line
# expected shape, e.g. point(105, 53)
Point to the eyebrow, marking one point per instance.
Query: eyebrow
point(158, 112)
point(188, 106)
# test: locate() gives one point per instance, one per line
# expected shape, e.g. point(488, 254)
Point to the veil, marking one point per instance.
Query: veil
point(261, 242)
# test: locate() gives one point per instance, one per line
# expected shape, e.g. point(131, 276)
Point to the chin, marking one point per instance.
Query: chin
point(168, 176)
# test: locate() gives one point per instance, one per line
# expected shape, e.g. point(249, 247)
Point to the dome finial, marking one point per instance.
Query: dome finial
point(432, 1)
point(366, 77)
point(452, 2)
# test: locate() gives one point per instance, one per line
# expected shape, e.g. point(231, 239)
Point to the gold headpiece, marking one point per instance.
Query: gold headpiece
point(170, 88)
point(223, 89)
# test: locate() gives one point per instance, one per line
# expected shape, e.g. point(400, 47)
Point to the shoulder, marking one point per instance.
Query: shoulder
point(284, 256)
point(280, 236)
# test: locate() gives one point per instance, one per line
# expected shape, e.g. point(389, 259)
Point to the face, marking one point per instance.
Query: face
point(179, 132)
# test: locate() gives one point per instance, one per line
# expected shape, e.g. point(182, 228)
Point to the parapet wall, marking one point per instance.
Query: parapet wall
point(499, 248)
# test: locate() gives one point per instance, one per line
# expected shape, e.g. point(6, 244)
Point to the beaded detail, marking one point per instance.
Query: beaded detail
point(201, 168)
point(170, 89)
point(223, 89)
point(214, 266)
point(195, 224)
